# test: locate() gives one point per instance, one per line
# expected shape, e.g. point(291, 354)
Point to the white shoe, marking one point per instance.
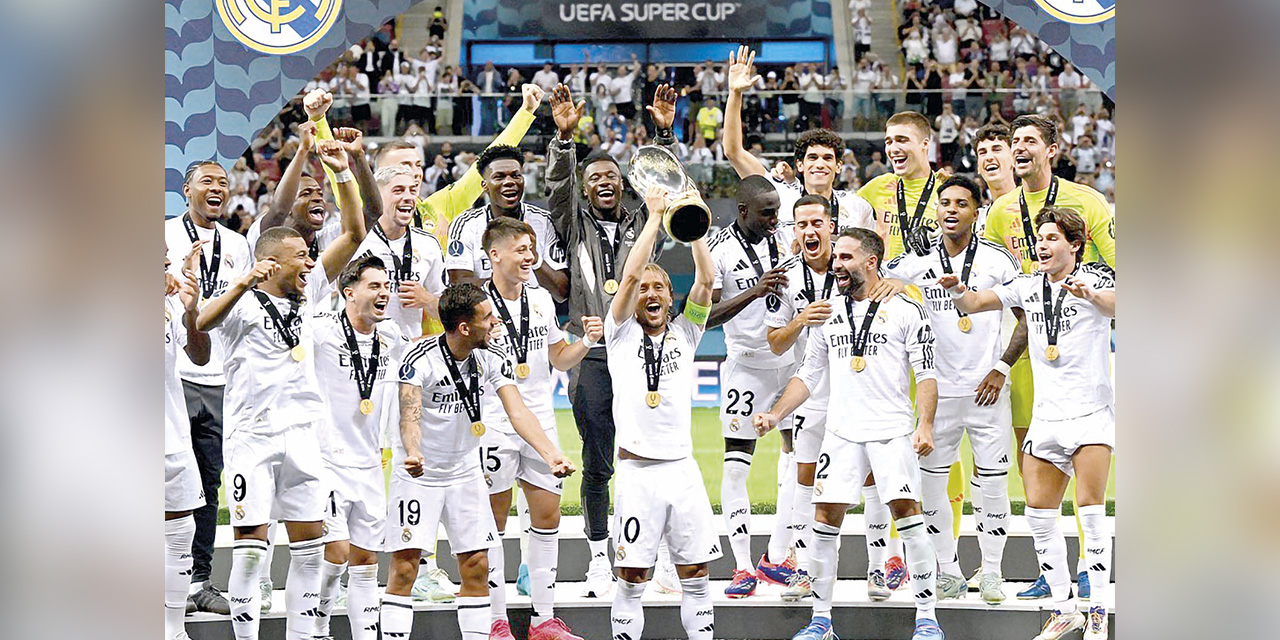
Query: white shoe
point(666, 580)
point(1060, 624)
point(1096, 626)
point(599, 579)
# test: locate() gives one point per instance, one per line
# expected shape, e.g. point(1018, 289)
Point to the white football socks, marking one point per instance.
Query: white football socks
point(1097, 552)
point(178, 534)
point(330, 578)
point(242, 587)
point(802, 525)
point(396, 616)
point(736, 506)
point(474, 619)
point(1051, 547)
point(264, 568)
point(822, 564)
point(993, 525)
point(937, 518)
point(922, 561)
point(362, 601)
point(302, 589)
point(876, 516)
point(544, 556)
point(497, 580)
point(696, 612)
point(627, 614)
point(780, 540)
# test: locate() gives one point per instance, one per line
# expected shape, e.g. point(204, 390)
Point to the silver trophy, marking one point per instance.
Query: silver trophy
point(688, 217)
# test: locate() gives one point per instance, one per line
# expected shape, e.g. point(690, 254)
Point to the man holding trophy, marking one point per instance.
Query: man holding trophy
point(599, 235)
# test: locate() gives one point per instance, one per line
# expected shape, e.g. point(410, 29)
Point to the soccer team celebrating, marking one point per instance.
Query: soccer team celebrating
point(864, 326)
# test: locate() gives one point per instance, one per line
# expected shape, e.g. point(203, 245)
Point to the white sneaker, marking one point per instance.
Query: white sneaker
point(266, 588)
point(599, 579)
point(666, 580)
point(1060, 624)
point(1096, 626)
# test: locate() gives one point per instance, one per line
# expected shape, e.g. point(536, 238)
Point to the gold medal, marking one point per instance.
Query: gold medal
point(1051, 352)
point(653, 398)
point(298, 353)
point(366, 406)
point(610, 286)
point(522, 370)
point(966, 324)
point(477, 429)
point(858, 363)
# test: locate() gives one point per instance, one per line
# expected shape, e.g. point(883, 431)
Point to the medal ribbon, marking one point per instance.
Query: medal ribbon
point(519, 339)
point(969, 254)
point(1052, 311)
point(809, 292)
point(404, 265)
point(860, 337)
point(314, 248)
point(905, 226)
point(1028, 231)
point(607, 251)
point(284, 325)
point(364, 377)
point(751, 253)
point(208, 274)
point(653, 361)
point(470, 396)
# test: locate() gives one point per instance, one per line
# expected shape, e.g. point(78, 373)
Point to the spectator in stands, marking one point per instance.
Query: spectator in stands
point(490, 85)
point(414, 135)
point(652, 78)
point(999, 49)
point(1069, 83)
point(622, 88)
point(709, 118)
point(709, 78)
point(948, 127)
point(915, 48)
point(1023, 85)
point(601, 91)
point(1086, 158)
point(966, 7)
point(615, 122)
point(1106, 131)
point(836, 86)
point(242, 176)
point(577, 79)
point(547, 78)
point(1022, 43)
point(770, 103)
point(514, 97)
point(863, 79)
point(435, 45)
point(875, 168)
point(388, 104)
point(438, 23)
point(357, 90)
point(437, 177)
point(449, 90)
point(1080, 122)
point(424, 99)
point(887, 92)
point(811, 87)
point(790, 99)
point(946, 46)
point(969, 32)
point(861, 30)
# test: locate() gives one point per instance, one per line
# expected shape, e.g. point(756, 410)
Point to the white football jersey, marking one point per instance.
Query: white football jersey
point(875, 403)
point(543, 332)
point(745, 335)
point(964, 359)
point(177, 428)
point(267, 390)
point(350, 438)
point(848, 208)
point(467, 230)
point(235, 261)
point(798, 296)
point(448, 446)
point(1079, 381)
point(663, 432)
point(427, 268)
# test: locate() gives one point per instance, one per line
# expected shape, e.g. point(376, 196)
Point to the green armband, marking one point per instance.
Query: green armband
point(696, 313)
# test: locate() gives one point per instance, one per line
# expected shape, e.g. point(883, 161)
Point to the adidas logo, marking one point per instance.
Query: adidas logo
point(741, 531)
point(878, 543)
point(930, 275)
point(924, 594)
point(995, 532)
point(1098, 567)
point(1045, 567)
point(979, 527)
point(742, 264)
point(392, 634)
point(1003, 460)
point(244, 617)
point(707, 629)
point(314, 613)
point(801, 545)
point(490, 538)
point(185, 573)
point(493, 585)
point(932, 530)
point(622, 636)
point(372, 627)
point(905, 489)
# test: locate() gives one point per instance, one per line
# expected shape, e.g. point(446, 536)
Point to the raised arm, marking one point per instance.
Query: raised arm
point(287, 189)
point(339, 253)
point(1103, 299)
point(968, 300)
point(624, 301)
point(703, 274)
point(198, 344)
point(353, 141)
point(739, 80)
point(562, 160)
point(565, 356)
point(216, 309)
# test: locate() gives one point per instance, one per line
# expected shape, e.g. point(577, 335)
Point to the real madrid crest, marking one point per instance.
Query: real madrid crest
point(278, 27)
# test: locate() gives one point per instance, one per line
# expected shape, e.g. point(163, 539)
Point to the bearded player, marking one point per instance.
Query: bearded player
point(436, 478)
point(869, 350)
point(1072, 429)
point(533, 343)
point(660, 495)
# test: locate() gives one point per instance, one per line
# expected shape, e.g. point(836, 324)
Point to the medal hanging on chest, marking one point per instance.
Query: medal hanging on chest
point(208, 270)
point(653, 369)
point(517, 336)
point(965, 322)
point(859, 344)
point(284, 325)
point(1052, 318)
point(365, 375)
point(1028, 229)
point(771, 301)
point(469, 391)
point(607, 253)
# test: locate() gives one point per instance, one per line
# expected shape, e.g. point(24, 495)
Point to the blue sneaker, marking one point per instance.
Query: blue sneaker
point(817, 629)
point(522, 580)
point(779, 573)
point(895, 572)
point(1082, 585)
point(927, 629)
point(742, 585)
point(1037, 591)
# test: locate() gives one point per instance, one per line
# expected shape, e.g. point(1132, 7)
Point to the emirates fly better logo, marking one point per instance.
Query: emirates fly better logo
point(279, 27)
point(1080, 11)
